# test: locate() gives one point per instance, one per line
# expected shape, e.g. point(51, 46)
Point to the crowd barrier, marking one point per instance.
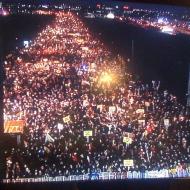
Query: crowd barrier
point(172, 173)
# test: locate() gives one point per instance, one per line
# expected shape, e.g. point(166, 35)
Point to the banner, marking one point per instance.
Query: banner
point(158, 174)
point(14, 126)
point(49, 138)
point(87, 133)
point(42, 65)
point(128, 163)
point(173, 171)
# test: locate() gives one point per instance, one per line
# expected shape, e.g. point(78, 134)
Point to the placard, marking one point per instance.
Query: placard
point(66, 119)
point(140, 111)
point(87, 133)
point(127, 140)
point(14, 126)
point(166, 122)
point(128, 163)
point(60, 126)
point(112, 109)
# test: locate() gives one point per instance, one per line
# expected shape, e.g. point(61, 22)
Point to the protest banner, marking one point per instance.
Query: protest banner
point(14, 126)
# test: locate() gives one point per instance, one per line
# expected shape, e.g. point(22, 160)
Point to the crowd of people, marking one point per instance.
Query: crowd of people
point(65, 83)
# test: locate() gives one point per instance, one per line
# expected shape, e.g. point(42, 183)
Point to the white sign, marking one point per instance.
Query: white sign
point(60, 126)
point(166, 122)
point(128, 163)
point(112, 109)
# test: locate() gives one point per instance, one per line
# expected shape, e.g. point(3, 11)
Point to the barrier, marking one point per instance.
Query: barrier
point(164, 173)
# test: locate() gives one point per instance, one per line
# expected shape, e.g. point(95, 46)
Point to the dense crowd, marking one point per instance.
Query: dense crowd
point(67, 82)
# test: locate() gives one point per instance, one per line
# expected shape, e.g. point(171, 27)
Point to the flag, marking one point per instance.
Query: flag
point(49, 138)
point(25, 143)
point(20, 114)
point(46, 149)
point(149, 128)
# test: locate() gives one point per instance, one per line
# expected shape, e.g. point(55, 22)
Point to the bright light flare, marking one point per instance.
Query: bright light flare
point(167, 29)
point(110, 16)
point(106, 78)
point(5, 13)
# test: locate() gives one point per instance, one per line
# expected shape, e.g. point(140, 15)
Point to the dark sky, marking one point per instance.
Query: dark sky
point(175, 2)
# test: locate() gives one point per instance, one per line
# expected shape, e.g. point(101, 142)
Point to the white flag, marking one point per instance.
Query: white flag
point(49, 138)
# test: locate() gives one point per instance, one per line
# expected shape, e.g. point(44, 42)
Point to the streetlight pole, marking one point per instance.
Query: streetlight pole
point(188, 92)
